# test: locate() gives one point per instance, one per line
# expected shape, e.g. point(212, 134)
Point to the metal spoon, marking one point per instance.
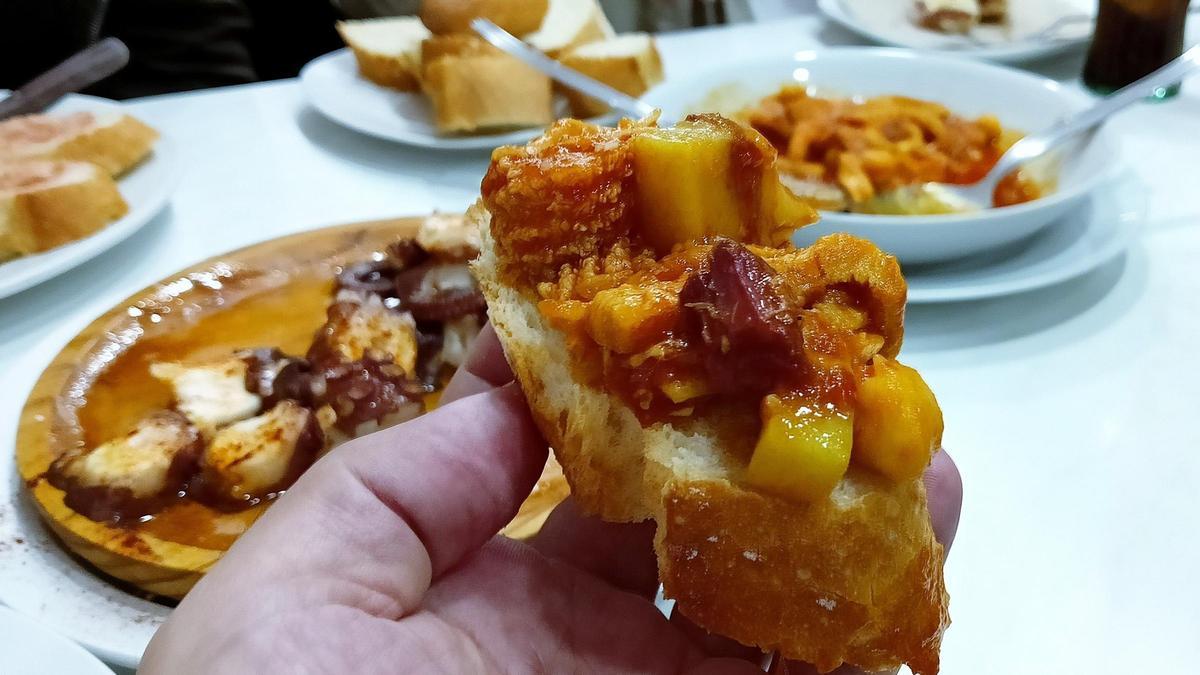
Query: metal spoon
point(1035, 145)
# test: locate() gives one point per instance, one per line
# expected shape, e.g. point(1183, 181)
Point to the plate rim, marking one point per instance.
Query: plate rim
point(448, 143)
point(1131, 215)
point(80, 654)
point(166, 151)
point(26, 522)
point(1017, 52)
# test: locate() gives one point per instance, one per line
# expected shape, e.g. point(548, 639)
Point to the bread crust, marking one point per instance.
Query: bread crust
point(475, 86)
point(454, 16)
point(386, 70)
point(630, 74)
point(37, 219)
point(116, 148)
point(556, 38)
point(114, 142)
point(855, 579)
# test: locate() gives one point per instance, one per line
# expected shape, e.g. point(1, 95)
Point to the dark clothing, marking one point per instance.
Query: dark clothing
point(174, 45)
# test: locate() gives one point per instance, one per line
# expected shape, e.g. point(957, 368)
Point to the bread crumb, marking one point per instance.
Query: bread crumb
point(714, 539)
point(750, 555)
point(828, 603)
point(691, 554)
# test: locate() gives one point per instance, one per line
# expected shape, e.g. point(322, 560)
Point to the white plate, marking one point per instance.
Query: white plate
point(969, 88)
point(40, 579)
point(1109, 221)
point(30, 648)
point(145, 188)
point(333, 86)
point(889, 22)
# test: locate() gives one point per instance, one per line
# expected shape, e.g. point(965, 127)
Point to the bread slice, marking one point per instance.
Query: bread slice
point(454, 16)
point(643, 346)
point(388, 50)
point(628, 63)
point(47, 203)
point(473, 86)
point(110, 139)
point(569, 24)
point(856, 579)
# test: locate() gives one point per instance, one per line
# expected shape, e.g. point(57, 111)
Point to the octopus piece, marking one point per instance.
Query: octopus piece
point(359, 327)
point(260, 457)
point(133, 475)
point(211, 395)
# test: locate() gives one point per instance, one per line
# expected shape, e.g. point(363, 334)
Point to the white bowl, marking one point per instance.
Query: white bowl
point(1020, 100)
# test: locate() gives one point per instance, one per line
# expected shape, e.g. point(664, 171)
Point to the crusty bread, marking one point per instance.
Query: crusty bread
point(47, 203)
point(112, 140)
point(856, 578)
point(628, 63)
point(569, 24)
point(388, 50)
point(474, 86)
point(454, 16)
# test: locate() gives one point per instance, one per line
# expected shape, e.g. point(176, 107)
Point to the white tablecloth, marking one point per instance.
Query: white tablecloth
point(1072, 411)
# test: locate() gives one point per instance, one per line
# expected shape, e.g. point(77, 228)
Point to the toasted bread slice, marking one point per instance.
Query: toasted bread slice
point(569, 24)
point(473, 86)
point(45, 203)
point(388, 50)
point(852, 575)
point(628, 63)
point(111, 140)
point(454, 16)
point(856, 579)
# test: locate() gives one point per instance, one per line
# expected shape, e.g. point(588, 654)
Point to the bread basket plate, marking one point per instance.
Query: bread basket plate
point(890, 22)
point(272, 293)
point(333, 86)
point(145, 188)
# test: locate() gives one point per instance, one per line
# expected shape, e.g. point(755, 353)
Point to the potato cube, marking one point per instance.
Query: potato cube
point(628, 319)
point(897, 421)
point(803, 450)
point(684, 184)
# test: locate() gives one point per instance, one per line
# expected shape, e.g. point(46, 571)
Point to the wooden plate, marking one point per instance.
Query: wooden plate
point(270, 294)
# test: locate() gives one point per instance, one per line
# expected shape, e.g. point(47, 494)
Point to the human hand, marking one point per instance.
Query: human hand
point(384, 557)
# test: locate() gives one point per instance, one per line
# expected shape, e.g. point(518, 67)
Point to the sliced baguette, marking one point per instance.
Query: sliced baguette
point(112, 140)
point(47, 203)
point(569, 24)
point(388, 50)
point(628, 63)
point(855, 579)
point(473, 86)
point(454, 16)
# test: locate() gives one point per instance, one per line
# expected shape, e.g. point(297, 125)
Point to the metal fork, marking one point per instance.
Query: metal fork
point(508, 43)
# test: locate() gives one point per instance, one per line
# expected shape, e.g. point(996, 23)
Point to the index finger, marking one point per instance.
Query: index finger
point(485, 368)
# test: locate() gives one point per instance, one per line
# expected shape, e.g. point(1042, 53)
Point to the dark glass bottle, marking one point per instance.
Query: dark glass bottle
point(1134, 38)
